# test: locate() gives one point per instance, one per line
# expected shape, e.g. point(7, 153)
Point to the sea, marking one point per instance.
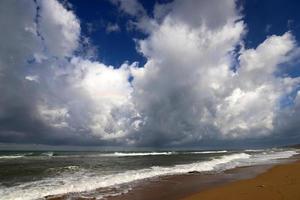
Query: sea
point(28, 175)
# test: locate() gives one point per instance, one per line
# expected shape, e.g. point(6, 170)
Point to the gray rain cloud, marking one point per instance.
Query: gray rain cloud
point(187, 93)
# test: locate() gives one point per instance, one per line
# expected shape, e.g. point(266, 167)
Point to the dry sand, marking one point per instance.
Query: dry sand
point(273, 183)
point(174, 187)
point(281, 182)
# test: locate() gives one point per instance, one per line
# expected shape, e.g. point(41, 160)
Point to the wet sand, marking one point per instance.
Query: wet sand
point(180, 186)
point(175, 186)
point(281, 182)
point(254, 182)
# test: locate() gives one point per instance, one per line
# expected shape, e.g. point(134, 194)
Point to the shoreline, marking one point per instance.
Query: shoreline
point(177, 187)
point(189, 186)
point(281, 181)
point(174, 187)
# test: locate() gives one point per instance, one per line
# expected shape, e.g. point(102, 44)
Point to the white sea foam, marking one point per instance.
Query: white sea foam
point(209, 152)
point(115, 154)
point(254, 150)
point(11, 157)
point(70, 168)
point(129, 154)
point(273, 155)
point(50, 154)
point(87, 181)
point(120, 154)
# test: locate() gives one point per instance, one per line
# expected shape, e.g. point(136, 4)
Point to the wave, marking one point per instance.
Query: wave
point(114, 154)
point(254, 150)
point(30, 154)
point(86, 181)
point(129, 154)
point(50, 154)
point(23, 155)
point(273, 155)
point(11, 157)
point(209, 152)
point(121, 154)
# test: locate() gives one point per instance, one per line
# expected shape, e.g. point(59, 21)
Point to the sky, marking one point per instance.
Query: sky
point(129, 73)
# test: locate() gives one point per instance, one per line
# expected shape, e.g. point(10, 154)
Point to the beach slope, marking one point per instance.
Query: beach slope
point(278, 183)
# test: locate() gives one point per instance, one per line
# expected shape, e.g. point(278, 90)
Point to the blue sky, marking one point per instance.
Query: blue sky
point(150, 73)
point(263, 18)
point(113, 47)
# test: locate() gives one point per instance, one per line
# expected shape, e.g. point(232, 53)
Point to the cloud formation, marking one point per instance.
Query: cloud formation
point(199, 84)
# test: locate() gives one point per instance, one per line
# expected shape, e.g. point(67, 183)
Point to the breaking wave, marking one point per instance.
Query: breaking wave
point(87, 181)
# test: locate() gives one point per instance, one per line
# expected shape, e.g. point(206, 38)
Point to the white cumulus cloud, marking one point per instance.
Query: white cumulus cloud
point(199, 84)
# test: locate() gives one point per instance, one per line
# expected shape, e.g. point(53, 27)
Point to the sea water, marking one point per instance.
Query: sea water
point(34, 175)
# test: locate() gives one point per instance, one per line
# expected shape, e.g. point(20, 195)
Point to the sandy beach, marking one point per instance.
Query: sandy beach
point(180, 186)
point(278, 183)
point(175, 187)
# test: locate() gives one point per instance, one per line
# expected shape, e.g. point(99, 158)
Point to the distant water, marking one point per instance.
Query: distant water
point(33, 175)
